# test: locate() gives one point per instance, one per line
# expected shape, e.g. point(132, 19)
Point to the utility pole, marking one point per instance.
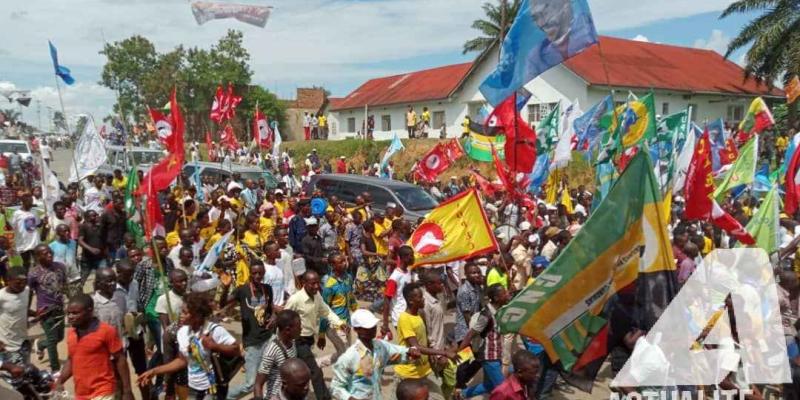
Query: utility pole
point(39, 113)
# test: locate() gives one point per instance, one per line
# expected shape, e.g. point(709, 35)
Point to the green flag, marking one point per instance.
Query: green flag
point(134, 227)
point(547, 131)
point(672, 132)
point(742, 171)
point(765, 224)
point(624, 240)
point(478, 145)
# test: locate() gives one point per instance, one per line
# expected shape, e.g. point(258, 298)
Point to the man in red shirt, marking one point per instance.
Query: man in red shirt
point(95, 351)
point(520, 385)
point(341, 166)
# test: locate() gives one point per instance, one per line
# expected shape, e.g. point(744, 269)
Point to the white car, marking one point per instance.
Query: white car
point(20, 147)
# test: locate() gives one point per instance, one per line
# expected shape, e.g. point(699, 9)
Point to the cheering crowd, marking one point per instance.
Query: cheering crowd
point(298, 270)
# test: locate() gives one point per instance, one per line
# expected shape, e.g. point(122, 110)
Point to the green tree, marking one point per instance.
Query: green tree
point(494, 26)
point(128, 64)
point(267, 102)
point(59, 122)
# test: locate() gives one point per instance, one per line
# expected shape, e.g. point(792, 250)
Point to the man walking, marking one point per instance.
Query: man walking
point(279, 349)
point(47, 281)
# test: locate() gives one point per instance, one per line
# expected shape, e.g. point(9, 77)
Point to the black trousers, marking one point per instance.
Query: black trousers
point(304, 352)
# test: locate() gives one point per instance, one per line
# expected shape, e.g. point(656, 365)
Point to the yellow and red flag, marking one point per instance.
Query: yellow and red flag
point(455, 230)
point(792, 90)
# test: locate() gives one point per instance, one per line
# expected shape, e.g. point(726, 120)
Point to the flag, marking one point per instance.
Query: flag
point(636, 121)
point(60, 70)
point(154, 219)
point(276, 143)
point(433, 163)
point(540, 171)
point(51, 189)
point(765, 224)
point(728, 153)
point(792, 90)
point(792, 185)
point(563, 151)
point(228, 138)
point(670, 136)
point(520, 144)
point(683, 160)
point(743, 171)
point(90, 153)
point(170, 128)
point(478, 145)
point(216, 105)
point(757, 119)
point(544, 34)
point(788, 155)
point(214, 252)
point(716, 137)
point(699, 190)
point(261, 129)
point(455, 230)
point(133, 222)
point(589, 126)
point(453, 149)
point(548, 131)
point(394, 147)
point(486, 187)
point(624, 241)
point(212, 156)
point(205, 11)
point(224, 106)
point(161, 174)
point(606, 174)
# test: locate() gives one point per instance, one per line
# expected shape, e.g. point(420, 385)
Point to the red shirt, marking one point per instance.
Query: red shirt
point(90, 356)
point(511, 389)
point(341, 167)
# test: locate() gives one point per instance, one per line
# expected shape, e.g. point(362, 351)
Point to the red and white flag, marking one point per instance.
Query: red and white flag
point(262, 134)
point(699, 194)
point(224, 106)
point(520, 146)
point(170, 128)
point(228, 138)
point(434, 163)
point(792, 186)
point(216, 106)
point(212, 155)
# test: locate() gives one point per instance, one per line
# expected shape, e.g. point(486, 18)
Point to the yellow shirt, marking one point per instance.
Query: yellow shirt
point(236, 204)
point(412, 326)
point(311, 310)
point(210, 242)
point(465, 126)
point(411, 118)
point(209, 231)
point(381, 246)
point(242, 270)
point(280, 207)
point(172, 239)
point(252, 240)
point(781, 143)
point(708, 245)
point(265, 229)
point(426, 116)
point(322, 121)
point(494, 276)
point(120, 184)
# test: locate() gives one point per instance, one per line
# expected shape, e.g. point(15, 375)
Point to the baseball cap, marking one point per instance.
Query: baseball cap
point(311, 221)
point(278, 191)
point(525, 225)
point(234, 185)
point(363, 319)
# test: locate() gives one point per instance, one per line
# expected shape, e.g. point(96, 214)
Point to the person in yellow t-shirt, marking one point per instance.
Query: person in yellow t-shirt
point(497, 274)
point(251, 236)
point(465, 127)
point(280, 203)
point(266, 222)
point(412, 333)
point(120, 182)
point(380, 234)
point(411, 121)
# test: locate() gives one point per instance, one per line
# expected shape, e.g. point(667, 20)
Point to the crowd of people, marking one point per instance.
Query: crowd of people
point(297, 270)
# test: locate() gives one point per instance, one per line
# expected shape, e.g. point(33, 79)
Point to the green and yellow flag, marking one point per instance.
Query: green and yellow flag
point(743, 170)
point(623, 241)
point(764, 227)
point(478, 145)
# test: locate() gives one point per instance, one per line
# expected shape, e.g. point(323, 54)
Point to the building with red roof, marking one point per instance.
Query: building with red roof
point(679, 76)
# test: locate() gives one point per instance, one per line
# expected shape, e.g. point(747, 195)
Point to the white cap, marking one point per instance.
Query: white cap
point(278, 191)
point(311, 221)
point(533, 238)
point(363, 319)
point(234, 185)
point(525, 225)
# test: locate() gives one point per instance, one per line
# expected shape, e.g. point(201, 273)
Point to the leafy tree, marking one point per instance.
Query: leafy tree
point(267, 102)
point(494, 26)
point(128, 64)
point(59, 122)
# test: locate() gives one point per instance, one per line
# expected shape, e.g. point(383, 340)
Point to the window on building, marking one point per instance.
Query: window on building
point(537, 112)
point(438, 119)
point(386, 123)
point(735, 112)
point(665, 109)
point(351, 125)
point(695, 111)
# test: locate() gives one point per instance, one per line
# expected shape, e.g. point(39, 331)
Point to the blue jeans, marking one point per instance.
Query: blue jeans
point(252, 359)
point(492, 377)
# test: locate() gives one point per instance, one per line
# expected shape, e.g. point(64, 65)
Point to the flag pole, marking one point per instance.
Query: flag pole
point(66, 122)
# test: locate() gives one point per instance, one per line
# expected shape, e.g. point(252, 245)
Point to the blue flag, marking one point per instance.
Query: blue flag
point(587, 126)
point(544, 34)
point(394, 147)
point(716, 134)
point(540, 171)
point(60, 70)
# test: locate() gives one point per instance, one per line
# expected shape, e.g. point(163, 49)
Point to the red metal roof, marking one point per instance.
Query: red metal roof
point(634, 64)
point(430, 84)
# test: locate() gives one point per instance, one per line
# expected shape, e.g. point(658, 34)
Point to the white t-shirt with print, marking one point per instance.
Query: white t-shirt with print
point(273, 276)
point(26, 234)
point(398, 301)
point(189, 342)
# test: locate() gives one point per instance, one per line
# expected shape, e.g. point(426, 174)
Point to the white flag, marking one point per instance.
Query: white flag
point(276, 144)
point(213, 254)
point(51, 190)
point(683, 161)
point(563, 152)
point(90, 152)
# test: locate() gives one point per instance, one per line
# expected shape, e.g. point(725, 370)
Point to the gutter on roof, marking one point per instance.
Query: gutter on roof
point(691, 92)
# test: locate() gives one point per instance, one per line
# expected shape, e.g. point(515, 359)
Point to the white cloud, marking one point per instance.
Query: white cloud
point(305, 41)
point(80, 98)
point(640, 38)
point(717, 41)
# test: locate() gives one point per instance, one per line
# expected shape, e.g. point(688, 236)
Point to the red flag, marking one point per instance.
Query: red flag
point(228, 138)
point(153, 218)
point(224, 106)
point(262, 134)
point(484, 184)
point(699, 192)
point(454, 150)
point(161, 175)
point(503, 173)
point(626, 157)
point(520, 147)
point(729, 153)
point(170, 128)
point(216, 106)
point(433, 163)
point(210, 147)
point(792, 185)
point(231, 101)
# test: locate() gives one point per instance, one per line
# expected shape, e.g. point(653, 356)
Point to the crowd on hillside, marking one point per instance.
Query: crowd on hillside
point(299, 270)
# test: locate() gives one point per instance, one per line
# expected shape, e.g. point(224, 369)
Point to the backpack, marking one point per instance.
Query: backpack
point(225, 367)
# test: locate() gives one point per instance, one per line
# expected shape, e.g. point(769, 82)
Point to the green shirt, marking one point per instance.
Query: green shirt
point(495, 276)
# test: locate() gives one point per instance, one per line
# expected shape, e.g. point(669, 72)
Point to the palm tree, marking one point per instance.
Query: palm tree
point(775, 38)
point(494, 27)
point(12, 115)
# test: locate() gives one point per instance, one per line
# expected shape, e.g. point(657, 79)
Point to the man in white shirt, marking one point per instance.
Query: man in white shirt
point(26, 229)
point(273, 274)
point(14, 305)
point(94, 197)
point(170, 312)
point(285, 261)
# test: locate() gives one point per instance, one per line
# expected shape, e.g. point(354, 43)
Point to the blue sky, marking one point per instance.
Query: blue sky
point(338, 44)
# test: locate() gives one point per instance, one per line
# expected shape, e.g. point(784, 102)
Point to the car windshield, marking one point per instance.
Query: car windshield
point(415, 199)
point(144, 157)
point(19, 148)
point(255, 176)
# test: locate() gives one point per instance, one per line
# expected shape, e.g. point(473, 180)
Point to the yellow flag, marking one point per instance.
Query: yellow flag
point(566, 201)
point(455, 230)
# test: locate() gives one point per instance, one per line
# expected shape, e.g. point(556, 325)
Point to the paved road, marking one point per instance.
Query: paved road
point(62, 160)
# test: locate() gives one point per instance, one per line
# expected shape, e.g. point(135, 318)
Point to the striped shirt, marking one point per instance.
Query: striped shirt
point(275, 354)
point(492, 340)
